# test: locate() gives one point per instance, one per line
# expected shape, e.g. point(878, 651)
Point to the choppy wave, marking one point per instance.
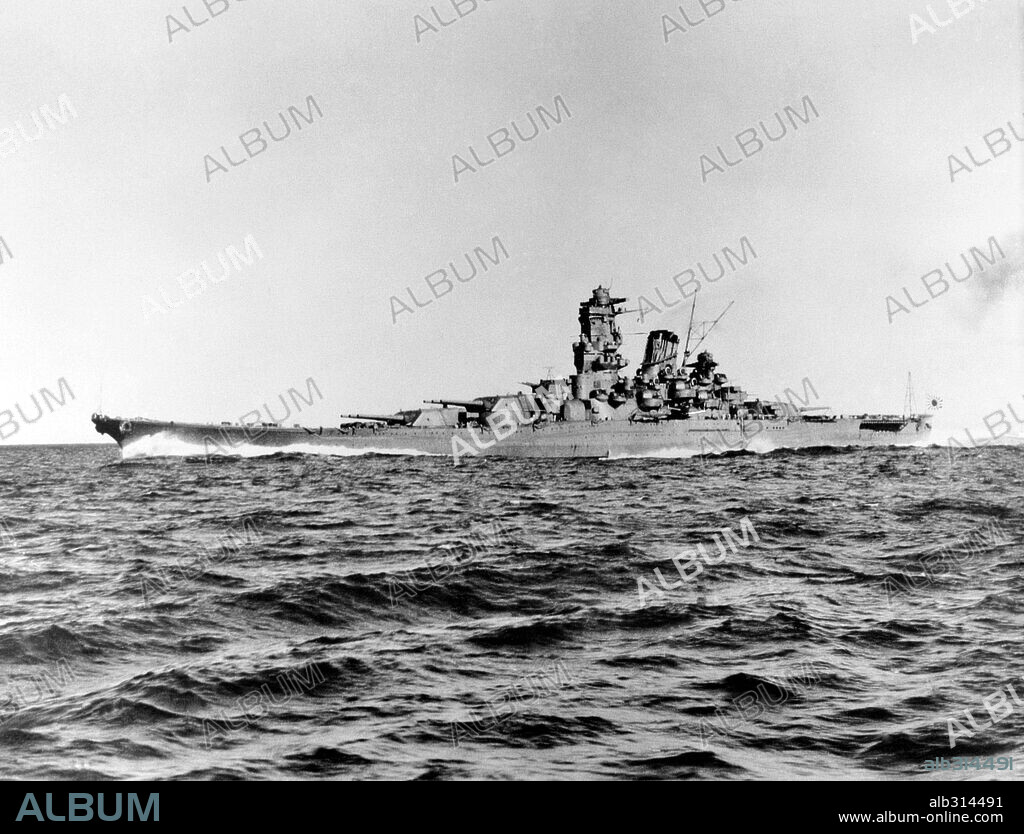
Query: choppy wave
point(291, 615)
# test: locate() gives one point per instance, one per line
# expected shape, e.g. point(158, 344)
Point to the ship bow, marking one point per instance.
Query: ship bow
point(111, 426)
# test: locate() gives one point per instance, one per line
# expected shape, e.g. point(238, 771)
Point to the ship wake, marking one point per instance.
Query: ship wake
point(165, 445)
point(757, 446)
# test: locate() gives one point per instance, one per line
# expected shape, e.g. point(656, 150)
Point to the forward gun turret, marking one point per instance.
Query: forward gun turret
point(390, 419)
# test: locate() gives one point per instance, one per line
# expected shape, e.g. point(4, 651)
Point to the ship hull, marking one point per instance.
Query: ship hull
point(610, 439)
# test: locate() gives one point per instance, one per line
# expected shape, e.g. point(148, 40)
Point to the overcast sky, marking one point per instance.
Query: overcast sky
point(109, 208)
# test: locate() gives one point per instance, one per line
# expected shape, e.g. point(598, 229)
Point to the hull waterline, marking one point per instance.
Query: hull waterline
point(555, 440)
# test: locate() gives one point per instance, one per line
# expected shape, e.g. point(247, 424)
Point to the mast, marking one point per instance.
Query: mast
point(689, 328)
point(908, 400)
point(714, 324)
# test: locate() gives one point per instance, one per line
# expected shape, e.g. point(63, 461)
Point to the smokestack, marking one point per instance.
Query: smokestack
point(662, 349)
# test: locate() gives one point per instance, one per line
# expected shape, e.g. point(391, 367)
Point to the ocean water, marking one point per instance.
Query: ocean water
point(389, 617)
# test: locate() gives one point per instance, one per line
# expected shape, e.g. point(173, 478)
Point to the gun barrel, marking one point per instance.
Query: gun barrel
point(469, 405)
point(380, 418)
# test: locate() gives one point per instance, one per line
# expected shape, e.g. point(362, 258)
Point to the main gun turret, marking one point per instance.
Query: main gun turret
point(390, 419)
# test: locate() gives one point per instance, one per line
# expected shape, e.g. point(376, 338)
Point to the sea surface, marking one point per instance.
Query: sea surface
point(389, 617)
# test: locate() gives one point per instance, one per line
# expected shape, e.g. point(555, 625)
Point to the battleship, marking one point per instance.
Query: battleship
point(675, 404)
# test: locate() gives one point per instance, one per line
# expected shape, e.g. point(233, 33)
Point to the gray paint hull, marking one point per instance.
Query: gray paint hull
point(612, 439)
